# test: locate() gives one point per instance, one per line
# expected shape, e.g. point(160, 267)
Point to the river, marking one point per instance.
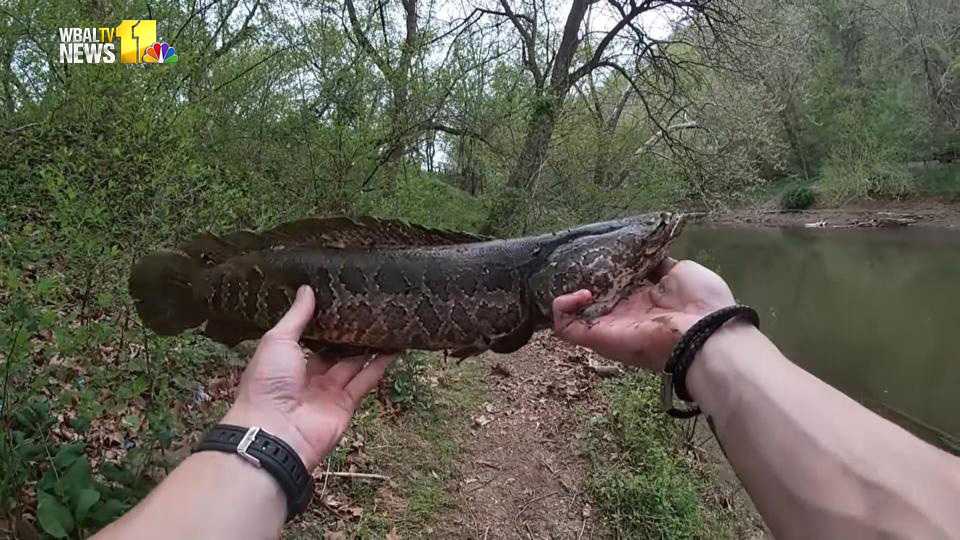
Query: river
point(875, 313)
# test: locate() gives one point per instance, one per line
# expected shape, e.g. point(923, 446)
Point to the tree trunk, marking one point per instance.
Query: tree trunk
point(533, 154)
point(605, 137)
point(536, 142)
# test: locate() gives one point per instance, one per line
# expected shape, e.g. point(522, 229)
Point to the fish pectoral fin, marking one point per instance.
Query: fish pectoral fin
point(516, 339)
point(230, 331)
point(466, 352)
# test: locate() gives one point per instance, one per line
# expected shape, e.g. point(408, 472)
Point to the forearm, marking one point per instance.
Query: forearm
point(209, 495)
point(814, 461)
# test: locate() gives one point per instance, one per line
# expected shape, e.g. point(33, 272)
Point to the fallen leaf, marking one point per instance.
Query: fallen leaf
point(482, 420)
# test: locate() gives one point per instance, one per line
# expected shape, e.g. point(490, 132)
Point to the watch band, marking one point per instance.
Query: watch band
point(268, 452)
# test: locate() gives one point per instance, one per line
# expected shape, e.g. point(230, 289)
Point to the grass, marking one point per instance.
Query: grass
point(417, 448)
point(640, 477)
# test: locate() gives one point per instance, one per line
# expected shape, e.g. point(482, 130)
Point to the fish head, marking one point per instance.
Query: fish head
point(610, 264)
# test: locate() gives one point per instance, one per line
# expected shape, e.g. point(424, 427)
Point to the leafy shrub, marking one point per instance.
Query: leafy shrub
point(70, 499)
point(797, 198)
point(854, 173)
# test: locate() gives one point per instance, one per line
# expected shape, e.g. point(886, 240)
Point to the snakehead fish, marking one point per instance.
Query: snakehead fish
point(389, 285)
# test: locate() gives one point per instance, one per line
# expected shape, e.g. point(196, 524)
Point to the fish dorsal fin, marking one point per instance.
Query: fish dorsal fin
point(324, 232)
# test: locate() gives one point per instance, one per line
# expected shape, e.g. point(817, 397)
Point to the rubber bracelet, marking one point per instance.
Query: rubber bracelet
point(268, 452)
point(685, 352)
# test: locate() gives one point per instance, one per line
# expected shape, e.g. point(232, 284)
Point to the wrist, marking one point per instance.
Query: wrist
point(232, 469)
point(278, 425)
point(712, 378)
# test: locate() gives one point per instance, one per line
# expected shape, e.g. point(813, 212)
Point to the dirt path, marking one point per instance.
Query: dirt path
point(522, 472)
point(521, 475)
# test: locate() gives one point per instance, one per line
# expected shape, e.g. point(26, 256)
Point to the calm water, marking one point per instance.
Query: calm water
point(875, 313)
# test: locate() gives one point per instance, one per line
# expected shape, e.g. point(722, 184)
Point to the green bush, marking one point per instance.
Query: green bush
point(797, 198)
point(854, 173)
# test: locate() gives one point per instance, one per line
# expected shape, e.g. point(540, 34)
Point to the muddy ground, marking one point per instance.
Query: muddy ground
point(867, 214)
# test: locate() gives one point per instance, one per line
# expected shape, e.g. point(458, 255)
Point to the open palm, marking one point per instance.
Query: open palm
point(643, 328)
point(302, 398)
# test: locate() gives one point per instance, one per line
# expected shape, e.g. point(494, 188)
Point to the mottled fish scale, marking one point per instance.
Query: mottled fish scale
point(386, 285)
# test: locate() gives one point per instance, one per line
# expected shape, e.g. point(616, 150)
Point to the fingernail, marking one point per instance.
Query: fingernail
point(302, 290)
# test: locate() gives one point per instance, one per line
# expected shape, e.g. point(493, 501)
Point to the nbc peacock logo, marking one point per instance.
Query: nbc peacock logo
point(160, 53)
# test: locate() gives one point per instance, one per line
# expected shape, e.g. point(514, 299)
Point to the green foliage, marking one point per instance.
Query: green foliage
point(70, 499)
point(638, 476)
point(426, 199)
point(797, 198)
point(855, 172)
point(407, 387)
point(942, 180)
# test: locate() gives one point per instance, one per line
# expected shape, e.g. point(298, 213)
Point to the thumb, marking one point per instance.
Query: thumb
point(570, 304)
point(300, 314)
point(565, 321)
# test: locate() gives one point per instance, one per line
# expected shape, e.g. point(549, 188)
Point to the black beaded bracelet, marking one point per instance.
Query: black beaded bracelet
point(685, 352)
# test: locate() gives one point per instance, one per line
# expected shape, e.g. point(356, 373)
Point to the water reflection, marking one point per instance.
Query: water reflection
point(875, 313)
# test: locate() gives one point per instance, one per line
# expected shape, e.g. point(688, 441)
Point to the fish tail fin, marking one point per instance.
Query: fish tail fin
point(162, 287)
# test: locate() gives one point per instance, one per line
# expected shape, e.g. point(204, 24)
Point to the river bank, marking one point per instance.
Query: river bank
point(924, 212)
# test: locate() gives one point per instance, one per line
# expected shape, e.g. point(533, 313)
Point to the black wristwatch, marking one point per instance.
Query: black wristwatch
point(268, 452)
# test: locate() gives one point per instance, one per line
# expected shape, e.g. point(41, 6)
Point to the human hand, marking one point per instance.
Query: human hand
point(643, 328)
point(305, 400)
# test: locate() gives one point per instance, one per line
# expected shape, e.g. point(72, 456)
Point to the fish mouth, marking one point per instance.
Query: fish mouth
point(673, 222)
point(670, 226)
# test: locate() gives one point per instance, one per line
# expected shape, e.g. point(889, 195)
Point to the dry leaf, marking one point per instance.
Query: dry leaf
point(482, 420)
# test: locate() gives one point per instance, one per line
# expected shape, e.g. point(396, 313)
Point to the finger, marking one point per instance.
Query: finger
point(345, 369)
point(297, 318)
point(662, 269)
point(573, 330)
point(369, 376)
point(318, 365)
point(661, 292)
point(565, 321)
point(572, 303)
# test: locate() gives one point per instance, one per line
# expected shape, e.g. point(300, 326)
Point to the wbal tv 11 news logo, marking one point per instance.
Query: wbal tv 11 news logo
point(138, 44)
